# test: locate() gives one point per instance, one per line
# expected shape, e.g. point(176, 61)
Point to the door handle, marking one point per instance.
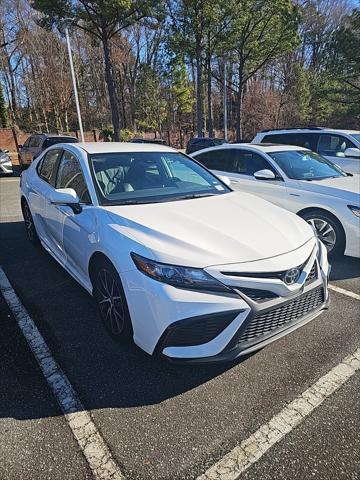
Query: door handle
point(294, 194)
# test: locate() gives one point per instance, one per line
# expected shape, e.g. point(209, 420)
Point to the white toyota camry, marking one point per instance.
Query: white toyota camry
point(300, 181)
point(174, 258)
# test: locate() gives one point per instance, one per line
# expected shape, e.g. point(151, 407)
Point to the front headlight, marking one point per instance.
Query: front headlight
point(355, 210)
point(177, 276)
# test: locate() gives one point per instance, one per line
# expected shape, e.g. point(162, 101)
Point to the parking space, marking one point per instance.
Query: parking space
point(162, 421)
point(35, 441)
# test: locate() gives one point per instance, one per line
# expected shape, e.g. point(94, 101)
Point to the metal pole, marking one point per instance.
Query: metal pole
point(225, 104)
point(74, 84)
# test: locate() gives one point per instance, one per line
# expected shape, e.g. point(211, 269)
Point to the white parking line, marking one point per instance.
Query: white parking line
point(253, 448)
point(344, 292)
point(82, 426)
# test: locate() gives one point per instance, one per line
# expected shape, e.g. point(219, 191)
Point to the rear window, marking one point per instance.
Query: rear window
point(54, 140)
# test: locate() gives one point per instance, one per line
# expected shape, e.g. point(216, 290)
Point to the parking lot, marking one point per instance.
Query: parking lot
point(161, 421)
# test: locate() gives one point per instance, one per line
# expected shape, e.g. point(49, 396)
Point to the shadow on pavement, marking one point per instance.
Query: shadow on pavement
point(104, 373)
point(345, 268)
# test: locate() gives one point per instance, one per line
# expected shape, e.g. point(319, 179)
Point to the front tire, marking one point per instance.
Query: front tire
point(329, 231)
point(29, 223)
point(110, 298)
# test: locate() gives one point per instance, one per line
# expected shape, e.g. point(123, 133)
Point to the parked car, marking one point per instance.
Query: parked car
point(300, 181)
point(37, 143)
point(340, 146)
point(5, 162)
point(157, 141)
point(174, 258)
point(198, 143)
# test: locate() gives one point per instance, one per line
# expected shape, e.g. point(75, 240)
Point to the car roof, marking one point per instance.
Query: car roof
point(261, 147)
point(193, 139)
point(115, 147)
point(310, 130)
point(51, 135)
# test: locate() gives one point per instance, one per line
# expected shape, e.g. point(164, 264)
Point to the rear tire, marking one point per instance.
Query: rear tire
point(110, 298)
point(329, 231)
point(29, 223)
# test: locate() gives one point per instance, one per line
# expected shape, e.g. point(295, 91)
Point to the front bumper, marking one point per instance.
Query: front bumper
point(6, 167)
point(242, 344)
point(189, 326)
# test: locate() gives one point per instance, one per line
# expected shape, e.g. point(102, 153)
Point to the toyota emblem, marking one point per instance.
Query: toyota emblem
point(292, 276)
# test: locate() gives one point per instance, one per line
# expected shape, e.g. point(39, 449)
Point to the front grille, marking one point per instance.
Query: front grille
point(257, 295)
point(312, 274)
point(267, 322)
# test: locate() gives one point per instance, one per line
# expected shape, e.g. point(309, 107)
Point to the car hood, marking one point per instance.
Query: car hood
point(347, 188)
point(230, 228)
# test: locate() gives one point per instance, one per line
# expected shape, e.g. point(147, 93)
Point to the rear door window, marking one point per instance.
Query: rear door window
point(218, 160)
point(306, 140)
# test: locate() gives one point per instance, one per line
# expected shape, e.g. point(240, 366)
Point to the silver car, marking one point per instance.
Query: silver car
point(5, 162)
point(37, 143)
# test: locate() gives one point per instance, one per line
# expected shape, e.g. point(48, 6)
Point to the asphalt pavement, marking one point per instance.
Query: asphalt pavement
point(159, 420)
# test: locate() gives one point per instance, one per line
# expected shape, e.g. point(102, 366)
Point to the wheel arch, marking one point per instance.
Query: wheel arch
point(95, 258)
point(303, 211)
point(326, 212)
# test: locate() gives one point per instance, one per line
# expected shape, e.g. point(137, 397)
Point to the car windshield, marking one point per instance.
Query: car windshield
point(151, 177)
point(356, 136)
point(304, 165)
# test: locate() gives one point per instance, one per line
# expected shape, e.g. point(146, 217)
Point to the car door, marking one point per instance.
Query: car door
point(24, 152)
point(69, 231)
point(332, 146)
point(240, 165)
point(41, 185)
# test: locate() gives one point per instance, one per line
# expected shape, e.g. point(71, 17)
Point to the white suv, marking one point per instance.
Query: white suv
point(340, 146)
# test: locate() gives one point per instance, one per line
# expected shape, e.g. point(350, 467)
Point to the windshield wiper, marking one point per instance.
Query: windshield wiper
point(134, 202)
point(168, 199)
point(196, 195)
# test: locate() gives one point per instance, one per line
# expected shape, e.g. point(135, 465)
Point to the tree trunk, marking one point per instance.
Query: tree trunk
point(199, 104)
point(111, 89)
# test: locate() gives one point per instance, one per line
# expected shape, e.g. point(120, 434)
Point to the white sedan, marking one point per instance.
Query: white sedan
point(300, 181)
point(174, 258)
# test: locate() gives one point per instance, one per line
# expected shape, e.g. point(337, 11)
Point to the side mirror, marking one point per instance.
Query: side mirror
point(225, 180)
point(352, 152)
point(265, 174)
point(67, 197)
